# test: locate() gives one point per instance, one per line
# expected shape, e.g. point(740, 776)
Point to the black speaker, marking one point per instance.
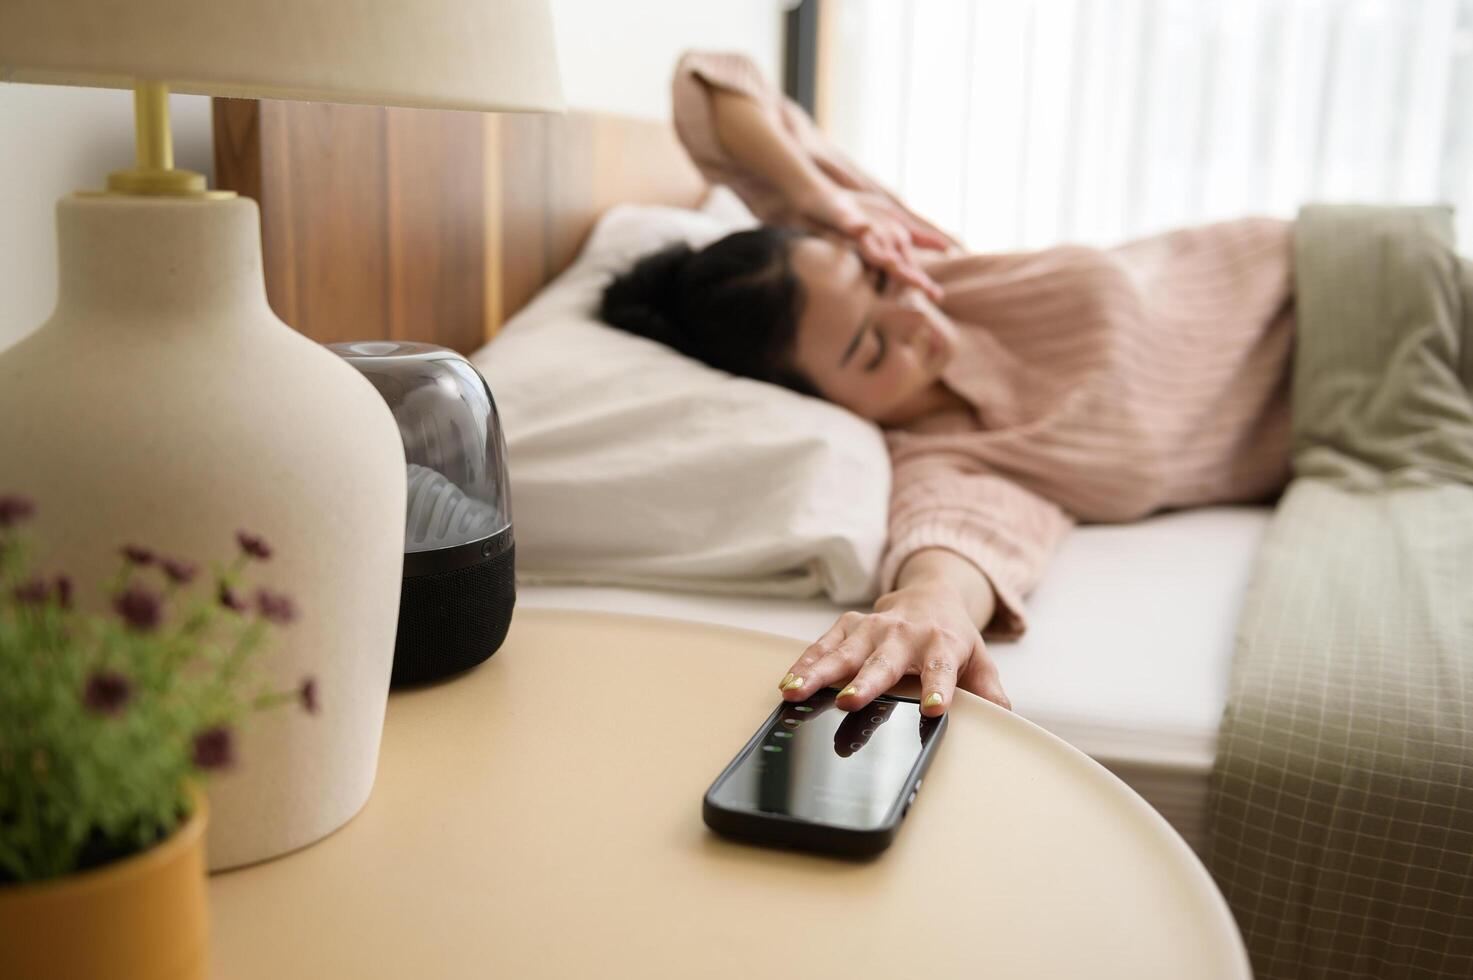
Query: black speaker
point(460, 584)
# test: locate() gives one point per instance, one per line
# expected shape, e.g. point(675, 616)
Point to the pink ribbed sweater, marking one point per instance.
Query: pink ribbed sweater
point(1103, 384)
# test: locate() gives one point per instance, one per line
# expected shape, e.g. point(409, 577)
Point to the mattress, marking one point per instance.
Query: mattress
point(1126, 657)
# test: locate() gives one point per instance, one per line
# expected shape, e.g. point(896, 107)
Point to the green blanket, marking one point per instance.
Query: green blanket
point(1341, 811)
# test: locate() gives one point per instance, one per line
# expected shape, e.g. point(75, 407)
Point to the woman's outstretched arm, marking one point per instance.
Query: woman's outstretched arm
point(929, 624)
point(931, 567)
point(964, 549)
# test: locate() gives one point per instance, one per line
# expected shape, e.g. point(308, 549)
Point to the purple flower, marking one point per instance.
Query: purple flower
point(14, 508)
point(253, 545)
point(63, 589)
point(138, 555)
point(230, 599)
point(275, 607)
point(179, 572)
point(31, 593)
point(107, 693)
point(308, 693)
point(141, 609)
point(214, 748)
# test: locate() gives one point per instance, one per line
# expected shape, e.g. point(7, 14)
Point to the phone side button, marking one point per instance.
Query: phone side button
point(909, 800)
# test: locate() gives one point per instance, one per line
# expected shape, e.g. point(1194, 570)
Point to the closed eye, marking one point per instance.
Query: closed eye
point(879, 352)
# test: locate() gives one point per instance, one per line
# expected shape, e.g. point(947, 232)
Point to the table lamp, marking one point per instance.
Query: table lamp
point(164, 403)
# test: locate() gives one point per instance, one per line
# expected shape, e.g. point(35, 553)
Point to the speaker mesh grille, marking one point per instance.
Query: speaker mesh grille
point(451, 621)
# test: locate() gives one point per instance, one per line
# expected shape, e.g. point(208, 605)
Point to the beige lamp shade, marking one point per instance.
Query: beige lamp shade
point(483, 55)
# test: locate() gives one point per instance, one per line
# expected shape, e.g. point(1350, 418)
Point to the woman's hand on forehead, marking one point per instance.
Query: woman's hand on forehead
point(884, 236)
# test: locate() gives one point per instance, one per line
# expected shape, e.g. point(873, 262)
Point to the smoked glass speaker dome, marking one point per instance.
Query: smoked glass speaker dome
point(458, 494)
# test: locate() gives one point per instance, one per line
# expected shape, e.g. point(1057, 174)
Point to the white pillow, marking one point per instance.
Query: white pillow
point(723, 204)
point(631, 464)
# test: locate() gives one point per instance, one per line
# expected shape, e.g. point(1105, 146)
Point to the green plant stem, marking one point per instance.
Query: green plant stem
point(242, 650)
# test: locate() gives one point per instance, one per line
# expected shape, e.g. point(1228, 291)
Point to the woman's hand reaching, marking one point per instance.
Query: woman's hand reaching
point(923, 628)
point(887, 237)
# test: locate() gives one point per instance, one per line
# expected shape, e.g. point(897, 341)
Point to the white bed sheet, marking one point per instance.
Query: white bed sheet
point(1127, 653)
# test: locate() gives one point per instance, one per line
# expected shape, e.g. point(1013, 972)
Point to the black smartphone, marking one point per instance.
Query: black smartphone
point(819, 778)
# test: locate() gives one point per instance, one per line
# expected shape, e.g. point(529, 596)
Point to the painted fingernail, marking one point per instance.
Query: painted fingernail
point(782, 685)
point(793, 684)
point(932, 700)
point(851, 689)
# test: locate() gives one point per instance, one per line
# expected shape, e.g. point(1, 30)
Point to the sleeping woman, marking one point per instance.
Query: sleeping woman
point(1019, 393)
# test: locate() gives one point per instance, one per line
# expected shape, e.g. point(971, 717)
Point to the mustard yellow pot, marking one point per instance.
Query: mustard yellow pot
point(141, 918)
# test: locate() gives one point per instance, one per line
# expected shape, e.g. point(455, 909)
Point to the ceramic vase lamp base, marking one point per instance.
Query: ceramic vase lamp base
point(165, 404)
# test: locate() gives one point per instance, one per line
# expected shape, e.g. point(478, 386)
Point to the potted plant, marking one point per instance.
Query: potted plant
point(108, 723)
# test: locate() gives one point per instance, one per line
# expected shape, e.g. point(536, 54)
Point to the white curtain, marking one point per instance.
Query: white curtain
point(1020, 123)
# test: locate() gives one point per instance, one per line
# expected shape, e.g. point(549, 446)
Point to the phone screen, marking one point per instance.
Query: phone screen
point(821, 764)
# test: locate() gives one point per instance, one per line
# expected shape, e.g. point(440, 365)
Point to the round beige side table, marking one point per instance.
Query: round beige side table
point(541, 817)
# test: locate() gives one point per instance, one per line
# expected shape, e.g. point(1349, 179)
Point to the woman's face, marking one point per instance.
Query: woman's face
point(868, 343)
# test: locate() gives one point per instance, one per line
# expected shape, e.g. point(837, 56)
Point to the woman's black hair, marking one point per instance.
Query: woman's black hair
point(733, 305)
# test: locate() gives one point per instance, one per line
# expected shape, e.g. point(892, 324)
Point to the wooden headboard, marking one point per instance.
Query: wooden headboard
point(413, 224)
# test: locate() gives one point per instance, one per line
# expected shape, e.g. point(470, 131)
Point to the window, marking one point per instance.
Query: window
point(1020, 123)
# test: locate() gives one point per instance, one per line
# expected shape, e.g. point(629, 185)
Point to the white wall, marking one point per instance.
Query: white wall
point(614, 57)
point(55, 139)
point(617, 56)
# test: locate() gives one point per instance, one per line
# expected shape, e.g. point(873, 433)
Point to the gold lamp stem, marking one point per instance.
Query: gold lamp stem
point(151, 126)
point(155, 175)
